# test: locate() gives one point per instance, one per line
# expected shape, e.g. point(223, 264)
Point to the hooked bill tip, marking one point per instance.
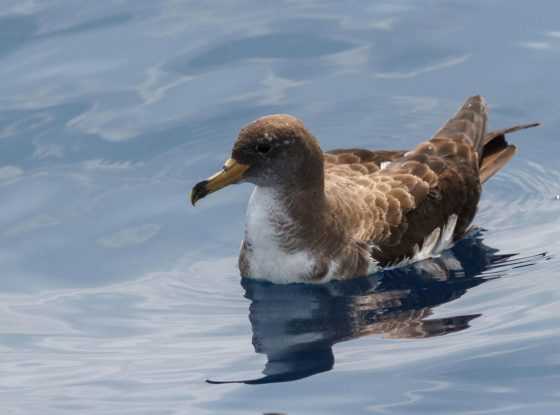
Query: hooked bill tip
point(199, 191)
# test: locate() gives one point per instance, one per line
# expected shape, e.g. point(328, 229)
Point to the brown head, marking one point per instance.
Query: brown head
point(275, 151)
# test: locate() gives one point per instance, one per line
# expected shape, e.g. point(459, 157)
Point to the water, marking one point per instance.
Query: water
point(118, 297)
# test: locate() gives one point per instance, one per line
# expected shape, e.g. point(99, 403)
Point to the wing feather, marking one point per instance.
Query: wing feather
point(418, 191)
point(395, 207)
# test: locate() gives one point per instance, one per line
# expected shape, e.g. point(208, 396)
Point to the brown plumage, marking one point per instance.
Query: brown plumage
point(316, 216)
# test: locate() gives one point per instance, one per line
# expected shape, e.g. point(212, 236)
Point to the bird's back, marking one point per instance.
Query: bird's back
point(412, 204)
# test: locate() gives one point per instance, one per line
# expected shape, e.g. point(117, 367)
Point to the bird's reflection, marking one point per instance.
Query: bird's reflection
point(296, 325)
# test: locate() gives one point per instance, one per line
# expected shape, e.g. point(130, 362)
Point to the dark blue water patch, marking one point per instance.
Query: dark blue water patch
point(15, 32)
point(511, 111)
point(306, 69)
point(271, 46)
point(325, 26)
point(99, 23)
point(410, 47)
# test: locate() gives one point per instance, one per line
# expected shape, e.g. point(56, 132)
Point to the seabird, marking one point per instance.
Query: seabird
point(315, 216)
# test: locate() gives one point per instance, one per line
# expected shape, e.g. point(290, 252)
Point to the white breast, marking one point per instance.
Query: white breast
point(267, 259)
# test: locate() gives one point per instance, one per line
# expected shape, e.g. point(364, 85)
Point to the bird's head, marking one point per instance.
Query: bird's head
point(276, 151)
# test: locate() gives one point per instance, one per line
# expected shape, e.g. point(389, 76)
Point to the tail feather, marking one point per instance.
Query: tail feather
point(494, 162)
point(496, 151)
point(469, 122)
point(493, 134)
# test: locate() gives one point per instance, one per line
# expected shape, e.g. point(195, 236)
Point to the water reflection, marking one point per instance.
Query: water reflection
point(296, 325)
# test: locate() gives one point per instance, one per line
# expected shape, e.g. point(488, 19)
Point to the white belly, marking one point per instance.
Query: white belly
point(266, 258)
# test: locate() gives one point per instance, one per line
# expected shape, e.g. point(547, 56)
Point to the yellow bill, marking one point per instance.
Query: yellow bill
point(231, 173)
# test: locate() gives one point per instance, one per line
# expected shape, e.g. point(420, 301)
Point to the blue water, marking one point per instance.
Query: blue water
point(118, 297)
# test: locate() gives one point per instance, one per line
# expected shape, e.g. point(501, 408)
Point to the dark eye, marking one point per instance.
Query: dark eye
point(262, 148)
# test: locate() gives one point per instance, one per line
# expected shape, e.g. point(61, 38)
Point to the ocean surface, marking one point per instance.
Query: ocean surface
point(118, 297)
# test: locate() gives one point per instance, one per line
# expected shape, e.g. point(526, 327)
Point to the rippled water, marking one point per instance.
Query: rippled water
point(118, 297)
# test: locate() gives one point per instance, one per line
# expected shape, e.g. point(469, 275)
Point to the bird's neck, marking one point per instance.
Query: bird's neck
point(304, 179)
point(287, 214)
